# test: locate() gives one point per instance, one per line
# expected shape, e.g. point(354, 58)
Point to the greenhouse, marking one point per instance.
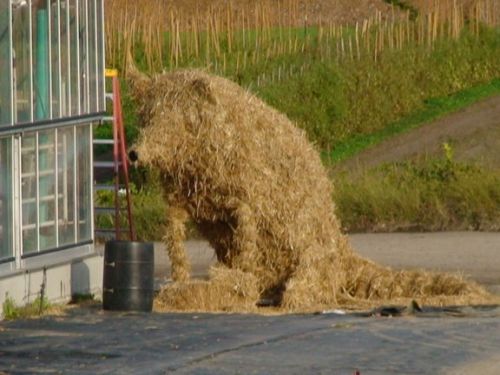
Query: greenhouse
point(51, 93)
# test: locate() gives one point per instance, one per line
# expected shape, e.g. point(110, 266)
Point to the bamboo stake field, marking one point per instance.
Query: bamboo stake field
point(226, 40)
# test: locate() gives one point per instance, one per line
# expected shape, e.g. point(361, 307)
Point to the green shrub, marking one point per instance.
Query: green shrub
point(148, 207)
point(430, 195)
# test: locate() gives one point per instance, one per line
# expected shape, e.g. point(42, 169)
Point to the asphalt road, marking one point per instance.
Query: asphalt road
point(452, 341)
point(90, 341)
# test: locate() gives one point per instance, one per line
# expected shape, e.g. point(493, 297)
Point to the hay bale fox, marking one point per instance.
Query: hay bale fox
point(246, 176)
point(257, 190)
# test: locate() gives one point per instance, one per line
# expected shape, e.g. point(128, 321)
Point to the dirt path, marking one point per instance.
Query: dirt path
point(473, 132)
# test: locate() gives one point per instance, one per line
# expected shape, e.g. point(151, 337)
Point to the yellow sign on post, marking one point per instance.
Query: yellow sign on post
point(111, 72)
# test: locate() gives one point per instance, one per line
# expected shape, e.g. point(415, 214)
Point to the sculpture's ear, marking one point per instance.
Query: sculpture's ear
point(139, 82)
point(203, 90)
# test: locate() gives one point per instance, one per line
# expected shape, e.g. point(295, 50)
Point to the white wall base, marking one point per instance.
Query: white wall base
point(81, 273)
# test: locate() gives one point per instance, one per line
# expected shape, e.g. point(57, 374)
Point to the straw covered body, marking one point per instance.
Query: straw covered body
point(257, 190)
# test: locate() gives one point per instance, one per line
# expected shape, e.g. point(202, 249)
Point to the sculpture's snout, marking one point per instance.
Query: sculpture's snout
point(133, 156)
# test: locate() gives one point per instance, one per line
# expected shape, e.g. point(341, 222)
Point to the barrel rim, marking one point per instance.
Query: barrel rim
point(123, 242)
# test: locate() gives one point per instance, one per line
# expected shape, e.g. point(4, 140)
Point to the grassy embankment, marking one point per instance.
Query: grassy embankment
point(423, 195)
point(343, 85)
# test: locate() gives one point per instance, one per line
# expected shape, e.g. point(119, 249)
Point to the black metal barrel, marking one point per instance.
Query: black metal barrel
point(128, 280)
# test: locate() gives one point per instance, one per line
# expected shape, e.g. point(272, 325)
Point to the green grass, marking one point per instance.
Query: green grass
point(424, 195)
point(337, 103)
point(433, 109)
point(36, 308)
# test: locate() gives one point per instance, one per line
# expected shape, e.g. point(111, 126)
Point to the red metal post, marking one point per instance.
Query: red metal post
point(124, 159)
point(116, 167)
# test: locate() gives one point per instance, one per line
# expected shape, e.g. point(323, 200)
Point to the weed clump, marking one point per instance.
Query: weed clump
point(257, 190)
point(38, 307)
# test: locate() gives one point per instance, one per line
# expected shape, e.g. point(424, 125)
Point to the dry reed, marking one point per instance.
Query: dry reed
point(164, 36)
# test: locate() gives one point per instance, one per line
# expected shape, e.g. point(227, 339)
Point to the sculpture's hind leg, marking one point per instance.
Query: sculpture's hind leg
point(174, 240)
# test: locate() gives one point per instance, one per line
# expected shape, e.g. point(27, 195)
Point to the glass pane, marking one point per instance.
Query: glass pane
point(83, 183)
point(100, 57)
point(54, 47)
point(5, 65)
point(65, 59)
point(22, 61)
point(92, 56)
point(6, 249)
point(66, 183)
point(47, 189)
point(29, 193)
point(41, 63)
point(84, 63)
point(74, 62)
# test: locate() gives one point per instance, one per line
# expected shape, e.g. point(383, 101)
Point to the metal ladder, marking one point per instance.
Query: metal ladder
point(122, 211)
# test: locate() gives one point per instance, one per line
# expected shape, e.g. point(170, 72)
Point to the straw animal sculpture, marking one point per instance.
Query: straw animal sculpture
point(257, 190)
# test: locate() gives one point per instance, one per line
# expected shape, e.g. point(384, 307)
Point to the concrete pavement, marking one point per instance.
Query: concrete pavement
point(474, 254)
